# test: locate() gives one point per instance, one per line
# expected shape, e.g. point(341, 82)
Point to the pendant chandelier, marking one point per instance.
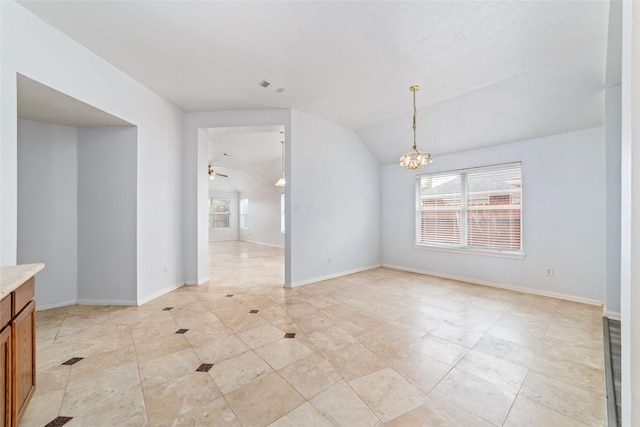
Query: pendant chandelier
point(415, 158)
point(281, 182)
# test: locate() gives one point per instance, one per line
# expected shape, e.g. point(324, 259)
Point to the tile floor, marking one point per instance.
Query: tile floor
point(376, 348)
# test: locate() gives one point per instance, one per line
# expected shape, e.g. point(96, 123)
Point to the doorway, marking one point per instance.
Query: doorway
point(245, 208)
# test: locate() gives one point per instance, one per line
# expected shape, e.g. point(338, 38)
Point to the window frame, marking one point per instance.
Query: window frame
point(213, 213)
point(463, 209)
point(243, 220)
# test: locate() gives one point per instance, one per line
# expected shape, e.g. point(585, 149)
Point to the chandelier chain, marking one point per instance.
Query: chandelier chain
point(414, 120)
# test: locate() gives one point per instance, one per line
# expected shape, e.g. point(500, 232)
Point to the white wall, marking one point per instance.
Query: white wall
point(332, 194)
point(334, 200)
point(231, 233)
point(107, 215)
point(563, 176)
point(77, 212)
point(630, 215)
point(613, 105)
point(264, 216)
point(34, 49)
point(47, 208)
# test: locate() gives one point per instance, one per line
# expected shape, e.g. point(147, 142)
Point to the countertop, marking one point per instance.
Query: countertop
point(13, 276)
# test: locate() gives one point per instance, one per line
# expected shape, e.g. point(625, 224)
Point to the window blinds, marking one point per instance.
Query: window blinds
point(475, 208)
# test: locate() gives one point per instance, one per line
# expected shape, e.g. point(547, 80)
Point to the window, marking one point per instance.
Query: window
point(219, 213)
point(478, 209)
point(244, 214)
point(282, 213)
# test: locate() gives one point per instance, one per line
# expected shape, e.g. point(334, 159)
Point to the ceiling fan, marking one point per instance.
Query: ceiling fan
point(213, 174)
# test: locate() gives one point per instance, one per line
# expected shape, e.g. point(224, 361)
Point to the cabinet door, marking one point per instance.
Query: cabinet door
point(5, 376)
point(23, 331)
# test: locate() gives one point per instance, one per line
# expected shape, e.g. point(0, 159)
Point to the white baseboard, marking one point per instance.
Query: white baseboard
point(40, 307)
point(614, 315)
point(201, 281)
point(556, 295)
point(262, 244)
point(331, 276)
point(106, 302)
point(159, 293)
point(131, 303)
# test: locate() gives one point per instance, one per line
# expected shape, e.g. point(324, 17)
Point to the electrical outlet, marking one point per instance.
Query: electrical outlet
point(548, 271)
point(166, 269)
point(330, 259)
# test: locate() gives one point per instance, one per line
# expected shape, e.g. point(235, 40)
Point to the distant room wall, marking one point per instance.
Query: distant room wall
point(264, 216)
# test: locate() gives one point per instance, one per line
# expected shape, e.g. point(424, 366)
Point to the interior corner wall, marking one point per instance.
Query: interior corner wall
point(231, 233)
point(264, 216)
point(202, 204)
point(47, 209)
point(107, 215)
point(334, 201)
point(563, 218)
point(613, 122)
point(34, 49)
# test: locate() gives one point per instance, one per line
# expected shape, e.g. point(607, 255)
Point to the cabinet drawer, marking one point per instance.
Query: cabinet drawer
point(5, 311)
point(23, 295)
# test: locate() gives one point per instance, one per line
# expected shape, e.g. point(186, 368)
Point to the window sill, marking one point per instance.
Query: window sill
point(483, 252)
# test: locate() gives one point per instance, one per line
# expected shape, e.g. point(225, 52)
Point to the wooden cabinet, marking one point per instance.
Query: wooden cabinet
point(23, 333)
point(17, 352)
point(5, 376)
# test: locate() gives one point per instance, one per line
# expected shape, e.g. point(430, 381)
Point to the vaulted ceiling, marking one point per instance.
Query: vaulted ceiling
point(250, 157)
point(490, 72)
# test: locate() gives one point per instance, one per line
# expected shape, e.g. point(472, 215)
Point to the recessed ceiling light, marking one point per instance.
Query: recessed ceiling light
point(280, 90)
point(264, 83)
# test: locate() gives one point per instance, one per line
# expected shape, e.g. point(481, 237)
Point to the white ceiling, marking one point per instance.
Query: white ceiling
point(491, 72)
point(251, 157)
point(44, 104)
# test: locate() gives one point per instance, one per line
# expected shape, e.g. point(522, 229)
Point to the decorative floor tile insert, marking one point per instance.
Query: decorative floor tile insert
point(59, 421)
point(72, 361)
point(181, 331)
point(290, 335)
point(167, 308)
point(253, 311)
point(205, 367)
